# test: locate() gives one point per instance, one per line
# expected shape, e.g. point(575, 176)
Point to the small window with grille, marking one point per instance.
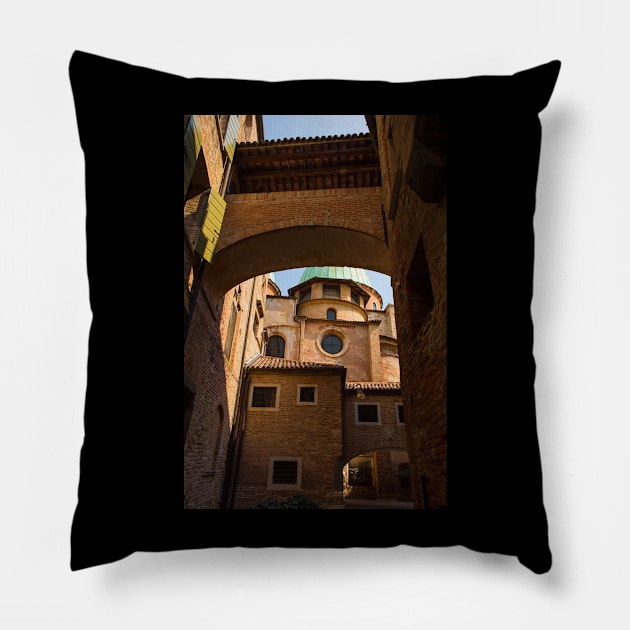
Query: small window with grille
point(285, 473)
point(275, 346)
point(368, 413)
point(264, 398)
point(307, 395)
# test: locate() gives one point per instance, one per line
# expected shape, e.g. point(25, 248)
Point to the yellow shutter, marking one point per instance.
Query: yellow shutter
point(192, 146)
point(211, 226)
point(231, 133)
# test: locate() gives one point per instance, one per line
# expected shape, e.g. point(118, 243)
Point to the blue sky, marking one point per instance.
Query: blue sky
point(311, 126)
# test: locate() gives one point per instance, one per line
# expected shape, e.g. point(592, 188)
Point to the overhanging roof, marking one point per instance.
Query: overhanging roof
point(349, 161)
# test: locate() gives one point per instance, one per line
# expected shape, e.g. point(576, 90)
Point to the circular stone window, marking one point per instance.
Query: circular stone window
point(332, 344)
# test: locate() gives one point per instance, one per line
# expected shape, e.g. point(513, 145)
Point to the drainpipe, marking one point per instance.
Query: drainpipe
point(234, 448)
point(301, 319)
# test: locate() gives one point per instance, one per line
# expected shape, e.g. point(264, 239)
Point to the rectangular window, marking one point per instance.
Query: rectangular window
point(305, 295)
point(354, 298)
point(401, 415)
point(285, 473)
point(332, 291)
point(264, 397)
point(307, 394)
point(368, 413)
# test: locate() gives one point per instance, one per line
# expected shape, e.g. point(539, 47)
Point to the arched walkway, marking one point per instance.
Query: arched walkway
point(303, 246)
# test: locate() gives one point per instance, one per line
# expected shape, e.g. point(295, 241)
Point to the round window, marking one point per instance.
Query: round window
point(332, 344)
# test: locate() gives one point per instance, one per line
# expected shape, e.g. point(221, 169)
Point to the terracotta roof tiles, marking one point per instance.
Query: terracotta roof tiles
point(275, 363)
point(372, 386)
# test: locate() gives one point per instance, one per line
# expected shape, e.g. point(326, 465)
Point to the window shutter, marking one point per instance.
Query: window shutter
point(192, 146)
point(211, 226)
point(231, 133)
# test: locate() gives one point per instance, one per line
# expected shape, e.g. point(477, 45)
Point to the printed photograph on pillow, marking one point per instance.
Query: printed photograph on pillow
point(324, 395)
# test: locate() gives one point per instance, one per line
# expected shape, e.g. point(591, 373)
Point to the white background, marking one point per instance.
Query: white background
point(580, 309)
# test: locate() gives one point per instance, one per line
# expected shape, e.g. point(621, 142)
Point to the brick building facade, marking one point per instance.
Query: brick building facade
point(319, 420)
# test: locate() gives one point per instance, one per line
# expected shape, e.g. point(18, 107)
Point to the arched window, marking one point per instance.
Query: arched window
point(275, 346)
point(331, 313)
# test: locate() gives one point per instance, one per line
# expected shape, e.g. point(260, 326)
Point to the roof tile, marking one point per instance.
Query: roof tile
point(372, 386)
point(276, 363)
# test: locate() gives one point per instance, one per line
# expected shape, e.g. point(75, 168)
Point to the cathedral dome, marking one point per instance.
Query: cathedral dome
point(338, 273)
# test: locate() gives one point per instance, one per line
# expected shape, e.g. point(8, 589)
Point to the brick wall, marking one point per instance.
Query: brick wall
point(390, 365)
point(361, 438)
point(345, 310)
point(354, 209)
point(384, 443)
point(310, 432)
point(417, 234)
point(211, 381)
point(207, 438)
point(355, 354)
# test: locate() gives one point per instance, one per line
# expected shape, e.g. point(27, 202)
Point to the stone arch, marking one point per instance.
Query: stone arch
point(300, 246)
point(377, 446)
point(384, 480)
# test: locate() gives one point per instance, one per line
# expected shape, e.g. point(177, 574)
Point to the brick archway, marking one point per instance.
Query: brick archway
point(298, 246)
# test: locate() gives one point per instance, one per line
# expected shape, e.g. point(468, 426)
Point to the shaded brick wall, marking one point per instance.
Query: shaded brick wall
point(417, 232)
point(247, 339)
point(206, 442)
point(362, 438)
point(211, 382)
point(250, 214)
point(312, 432)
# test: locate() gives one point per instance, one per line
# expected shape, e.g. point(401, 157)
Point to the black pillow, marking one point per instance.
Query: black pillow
point(130, 485)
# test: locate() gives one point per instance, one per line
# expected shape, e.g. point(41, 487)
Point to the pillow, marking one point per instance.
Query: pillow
point(130, 483)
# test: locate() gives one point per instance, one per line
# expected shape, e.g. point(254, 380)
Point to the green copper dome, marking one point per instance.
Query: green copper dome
point(339, 273)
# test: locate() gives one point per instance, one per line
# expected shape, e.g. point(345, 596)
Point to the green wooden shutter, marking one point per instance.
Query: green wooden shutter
point(211, 226)
point(231, 133)
point(192, 146)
